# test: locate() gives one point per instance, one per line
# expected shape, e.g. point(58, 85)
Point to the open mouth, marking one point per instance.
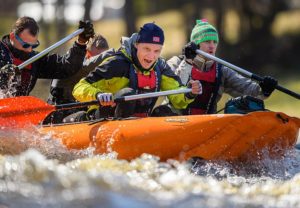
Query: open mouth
point(147, 61)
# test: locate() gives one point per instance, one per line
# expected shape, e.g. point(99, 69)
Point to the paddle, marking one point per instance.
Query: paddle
point(13, 107)
point(21, 111)
point(246, 73)
point(47, 50)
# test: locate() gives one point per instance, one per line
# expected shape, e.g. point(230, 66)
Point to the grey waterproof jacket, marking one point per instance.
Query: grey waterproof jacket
point(232, 82)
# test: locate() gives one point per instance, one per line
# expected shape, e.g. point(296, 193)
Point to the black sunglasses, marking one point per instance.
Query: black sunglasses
point(26, 45)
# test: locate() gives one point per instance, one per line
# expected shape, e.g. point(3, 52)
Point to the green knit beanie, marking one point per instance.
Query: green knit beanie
point(203, 31)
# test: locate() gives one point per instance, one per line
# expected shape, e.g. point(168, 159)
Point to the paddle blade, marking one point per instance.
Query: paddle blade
point(23, 111)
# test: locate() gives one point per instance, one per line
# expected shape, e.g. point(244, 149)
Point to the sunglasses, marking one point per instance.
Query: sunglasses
point(26, 45)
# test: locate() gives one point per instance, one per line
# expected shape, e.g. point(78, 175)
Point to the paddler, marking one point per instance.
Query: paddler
point(215, 78)
point(18, 46)
point(133, 69)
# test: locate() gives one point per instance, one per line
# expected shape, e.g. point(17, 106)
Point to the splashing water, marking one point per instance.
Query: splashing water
point(38, 171)
point(283, 168)
point(11, 89)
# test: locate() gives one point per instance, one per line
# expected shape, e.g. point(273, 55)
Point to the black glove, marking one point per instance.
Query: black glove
point(268, 85)
point(88, 31)
point(189, 50)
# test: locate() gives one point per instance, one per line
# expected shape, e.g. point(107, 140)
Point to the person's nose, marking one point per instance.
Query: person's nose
point(151, 55)
point(212, 44)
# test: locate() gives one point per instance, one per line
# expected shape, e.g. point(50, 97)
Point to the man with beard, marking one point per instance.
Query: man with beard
point(17, 47)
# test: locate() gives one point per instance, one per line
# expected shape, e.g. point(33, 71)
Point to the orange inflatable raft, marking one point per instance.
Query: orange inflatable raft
point(212, 137)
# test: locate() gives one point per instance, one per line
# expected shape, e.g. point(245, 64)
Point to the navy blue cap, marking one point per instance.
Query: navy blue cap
point(151, 33)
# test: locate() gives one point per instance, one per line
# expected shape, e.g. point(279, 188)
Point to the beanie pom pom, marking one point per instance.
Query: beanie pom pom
point(202, 21)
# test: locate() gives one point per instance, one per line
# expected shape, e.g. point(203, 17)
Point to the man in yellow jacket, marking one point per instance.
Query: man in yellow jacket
point(133, 69)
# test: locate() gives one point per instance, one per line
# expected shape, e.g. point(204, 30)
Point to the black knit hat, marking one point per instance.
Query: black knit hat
point(151, 33)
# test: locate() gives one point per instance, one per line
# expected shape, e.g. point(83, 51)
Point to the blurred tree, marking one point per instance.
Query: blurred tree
point(87, 9)
point(8, 7)
point(191, 11)
point(252, 46)
point(46, 28)
point(256, 44)
point(8, 14)
point(60, 22)
point(130, 17)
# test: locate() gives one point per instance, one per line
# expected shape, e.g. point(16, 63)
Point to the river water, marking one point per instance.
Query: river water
point(37, 171)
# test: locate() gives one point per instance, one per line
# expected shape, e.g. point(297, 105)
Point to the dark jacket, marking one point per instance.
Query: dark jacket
point(51, 66)
point(61, 89)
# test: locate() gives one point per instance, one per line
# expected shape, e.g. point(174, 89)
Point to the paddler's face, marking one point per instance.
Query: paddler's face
point(209, 46)
point(25, 38)
point(148, 53)
point(96, 51)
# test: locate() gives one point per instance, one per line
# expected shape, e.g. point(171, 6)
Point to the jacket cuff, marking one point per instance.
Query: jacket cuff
point(79, 45)
point(190, 95)
point(96, 95)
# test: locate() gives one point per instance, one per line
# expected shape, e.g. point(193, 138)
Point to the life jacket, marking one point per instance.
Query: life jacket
point(144, 82)
point(210, 80)
point(26, 82)
point(25, 75)
point(88, 54)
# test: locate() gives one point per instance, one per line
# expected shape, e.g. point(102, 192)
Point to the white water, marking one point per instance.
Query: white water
point(40, 172)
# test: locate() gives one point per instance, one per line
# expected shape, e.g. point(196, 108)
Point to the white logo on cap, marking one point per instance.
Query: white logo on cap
point(156, 39)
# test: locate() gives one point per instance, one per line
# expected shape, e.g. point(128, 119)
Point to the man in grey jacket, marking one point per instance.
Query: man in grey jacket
point(215, 78)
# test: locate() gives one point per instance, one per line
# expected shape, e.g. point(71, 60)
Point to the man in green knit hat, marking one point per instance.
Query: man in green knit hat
point(214, 77)
point(203, 31)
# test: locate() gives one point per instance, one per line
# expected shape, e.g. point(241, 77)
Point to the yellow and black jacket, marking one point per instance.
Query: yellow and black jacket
point(117, 71)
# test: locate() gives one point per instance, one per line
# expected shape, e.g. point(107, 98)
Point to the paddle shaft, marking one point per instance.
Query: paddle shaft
point(125, 98)
point(246, 73)
point(47, 50)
